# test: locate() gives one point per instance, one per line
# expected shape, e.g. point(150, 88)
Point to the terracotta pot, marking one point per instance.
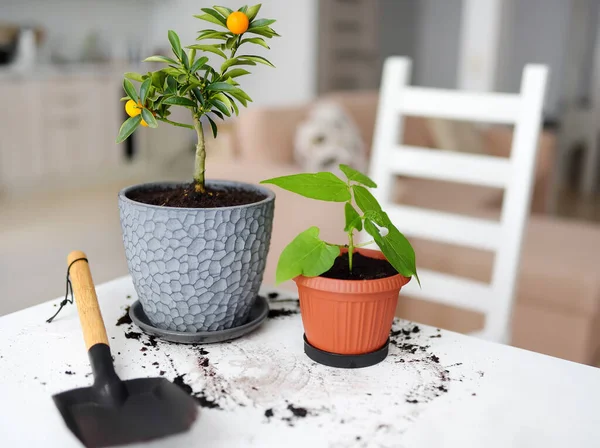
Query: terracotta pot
point(349, 317)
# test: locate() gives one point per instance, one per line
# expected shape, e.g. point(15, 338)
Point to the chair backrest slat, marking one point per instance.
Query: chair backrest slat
point(514, 174)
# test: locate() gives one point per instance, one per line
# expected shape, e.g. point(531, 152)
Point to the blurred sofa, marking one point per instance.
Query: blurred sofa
point(557, 309)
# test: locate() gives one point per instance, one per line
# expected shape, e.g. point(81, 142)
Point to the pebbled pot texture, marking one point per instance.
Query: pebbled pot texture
point(349, 317)
point(197, 269)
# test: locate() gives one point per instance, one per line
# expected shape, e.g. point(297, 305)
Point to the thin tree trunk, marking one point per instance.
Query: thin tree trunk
point(200, 159)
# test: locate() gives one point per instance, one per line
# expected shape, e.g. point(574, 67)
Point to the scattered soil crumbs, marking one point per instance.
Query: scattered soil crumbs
point(364, 268)
point(273, 314)
point(297, 412)
point(186, 196)
point(273, 295)
point(269, 413)
point(133, 335)
point(200, 398)
point(125, 319)
point(69, 372)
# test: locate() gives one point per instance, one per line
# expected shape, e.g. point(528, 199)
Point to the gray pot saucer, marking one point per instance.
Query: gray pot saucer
point(258, 314)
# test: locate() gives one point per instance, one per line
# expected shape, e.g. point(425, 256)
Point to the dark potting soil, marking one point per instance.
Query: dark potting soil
point(125, 319)
point(363, 268)
point(188, 198)
point(281, 313)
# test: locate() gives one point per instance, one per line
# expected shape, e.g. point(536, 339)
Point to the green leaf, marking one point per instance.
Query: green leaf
point(171, 85)
point(353, 219)
point(357, 176)
point(199, 64)
point(175, 43)
point(264, 31)
point(231, 42)
point(243, 9)
point(218, 114)
point(233, 105)
point(323, 186)
point(179, 101)
point(221, 86)
point(216, 15)
point(257, 41)
point(236, 72)
point(192, 56)
point(173, 71)
point(260, 23)
point(214, 35)
point(144, 88)
point(209, 48)
point(306, 255)
point(252, 11)
point(213, 126)
point(158, 80)
point(196, 92)
point(223, 10)
point(394, 245)
point(185, 61)
point(135, 76)
point(364, 199)
point(130, 91)
point(235, 61)
point(221, 106)
point(149, 118)
point(127, 128)
point(243, 101)
point(254, 58)
point(164, 59)
point(212, 19)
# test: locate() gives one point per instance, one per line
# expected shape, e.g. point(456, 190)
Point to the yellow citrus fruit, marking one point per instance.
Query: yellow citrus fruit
point(238, 22)
point(132, 109)
point(143, 123)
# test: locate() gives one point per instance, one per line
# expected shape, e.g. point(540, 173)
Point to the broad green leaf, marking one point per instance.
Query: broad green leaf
point(164, 59)
point(221, 97)
point(223, 10)
point(128, 127)
point(135, 76)
point(213, 126)
point(175, 43)
point(184, 60)
point(243, 9)
point(260, 23)
point(394, 245)
point(236, 72)
point(255, 58)
point(209, 48)
point(364, 199)
point(216, 15)
point(149, 118)
point(357, 176)
point(239, 92)
point(199, 64)
point(171, 85)
point(144, 88)
point(130, 91)
point(264, 31)
point(218, 114)
point(212, 19)
point(235, 61)
point(179, 101)
point(192, 56)
point(353, 219)
point(158, 80)
point(257, 41)
point(306, 255)
point(235, 108)
point(252, 11)
point(221, 106)
point(173, 71)
point(323, 186)
point(241, 99)
point(221, 86)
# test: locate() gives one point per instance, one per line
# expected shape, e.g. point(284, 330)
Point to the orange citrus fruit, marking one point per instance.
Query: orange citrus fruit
point(238, 22)
point(132, 109)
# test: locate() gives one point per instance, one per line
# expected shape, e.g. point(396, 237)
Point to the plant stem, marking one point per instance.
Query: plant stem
point(350, 249)
point(200, 159)
point(174, 123)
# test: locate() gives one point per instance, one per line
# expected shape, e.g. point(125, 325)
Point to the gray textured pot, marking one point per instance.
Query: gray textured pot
point(197, 269)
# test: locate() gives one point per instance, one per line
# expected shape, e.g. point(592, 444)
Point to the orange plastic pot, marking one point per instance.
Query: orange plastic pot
point(349, 317)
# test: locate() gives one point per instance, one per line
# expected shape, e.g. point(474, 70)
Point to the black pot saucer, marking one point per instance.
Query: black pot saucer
point(345, 361)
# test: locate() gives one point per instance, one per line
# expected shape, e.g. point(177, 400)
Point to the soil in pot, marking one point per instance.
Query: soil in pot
point(363, 268)
point(186, 196)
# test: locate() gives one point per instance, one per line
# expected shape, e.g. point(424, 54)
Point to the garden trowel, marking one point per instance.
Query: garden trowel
point(114, 412)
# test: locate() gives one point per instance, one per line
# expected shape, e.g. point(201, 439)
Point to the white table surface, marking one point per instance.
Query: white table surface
point(479, 394)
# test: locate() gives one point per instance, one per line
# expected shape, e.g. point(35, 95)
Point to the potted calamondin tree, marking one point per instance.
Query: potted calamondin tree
point(348, 294)
point(197, 251)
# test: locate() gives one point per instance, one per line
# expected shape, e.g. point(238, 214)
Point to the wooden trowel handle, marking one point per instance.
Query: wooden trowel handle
point(90, 317)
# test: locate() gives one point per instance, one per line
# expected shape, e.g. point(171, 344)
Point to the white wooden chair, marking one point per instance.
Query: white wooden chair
point(514, 174)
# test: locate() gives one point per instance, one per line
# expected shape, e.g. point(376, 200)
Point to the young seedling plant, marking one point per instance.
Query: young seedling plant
point(310, 256)
point(190, 81)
